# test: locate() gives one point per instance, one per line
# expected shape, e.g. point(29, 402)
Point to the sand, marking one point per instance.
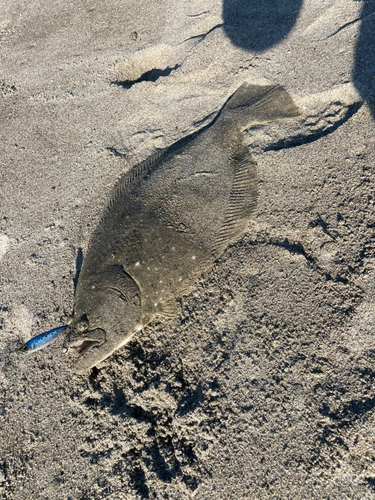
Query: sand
point(263, 386)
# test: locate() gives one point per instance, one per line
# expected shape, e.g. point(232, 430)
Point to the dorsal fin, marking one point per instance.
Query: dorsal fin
point(134, 173)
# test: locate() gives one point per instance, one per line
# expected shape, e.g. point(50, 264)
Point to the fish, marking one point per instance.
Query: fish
point(166, 222)
point(42, 340)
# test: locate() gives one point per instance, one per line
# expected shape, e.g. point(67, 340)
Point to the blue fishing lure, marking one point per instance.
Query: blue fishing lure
point(42, 340)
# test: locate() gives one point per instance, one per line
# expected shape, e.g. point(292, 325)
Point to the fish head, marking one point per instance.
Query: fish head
point(106, 314)
point(24, 348)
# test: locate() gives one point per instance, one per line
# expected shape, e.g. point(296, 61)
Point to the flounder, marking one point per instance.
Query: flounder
point(167, 220)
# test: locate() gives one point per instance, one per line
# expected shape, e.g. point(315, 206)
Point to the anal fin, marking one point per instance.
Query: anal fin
point(170, 308)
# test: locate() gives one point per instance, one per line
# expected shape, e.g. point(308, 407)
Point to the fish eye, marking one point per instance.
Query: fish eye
point(24, 348)
point(82, 325)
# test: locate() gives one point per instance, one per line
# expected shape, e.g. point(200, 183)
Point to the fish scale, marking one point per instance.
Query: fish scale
point(166, 222)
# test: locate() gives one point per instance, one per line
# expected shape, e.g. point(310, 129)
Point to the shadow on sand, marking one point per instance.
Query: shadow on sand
point(364, 60)
point(257, 25)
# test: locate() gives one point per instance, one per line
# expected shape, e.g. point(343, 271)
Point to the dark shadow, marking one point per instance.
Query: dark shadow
point(164, 472)
point(320, 222)
point(364, 61)
point(259, 24)
point(150, 76)
point(298, 140)
point(79, 260)
point(350, 412)
point(371, 482)
point(119, 403)
point(190, 401)
point(138, 479)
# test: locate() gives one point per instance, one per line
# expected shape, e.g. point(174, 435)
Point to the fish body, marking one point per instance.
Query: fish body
point(43, 340)
point(166, 222)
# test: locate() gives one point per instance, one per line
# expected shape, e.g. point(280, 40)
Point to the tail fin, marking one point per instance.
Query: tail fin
point(257, 104)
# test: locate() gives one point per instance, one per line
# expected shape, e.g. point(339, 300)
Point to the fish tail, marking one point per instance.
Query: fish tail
point(252, 104)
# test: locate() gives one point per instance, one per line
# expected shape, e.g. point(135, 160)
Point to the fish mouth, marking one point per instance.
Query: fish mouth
point(82, 345)
point(92, 339)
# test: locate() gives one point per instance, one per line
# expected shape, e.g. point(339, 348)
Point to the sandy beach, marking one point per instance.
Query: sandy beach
point(263, 386)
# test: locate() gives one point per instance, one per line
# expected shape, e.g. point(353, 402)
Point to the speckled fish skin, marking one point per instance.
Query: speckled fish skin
point(42, 340)
point(166, 222)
